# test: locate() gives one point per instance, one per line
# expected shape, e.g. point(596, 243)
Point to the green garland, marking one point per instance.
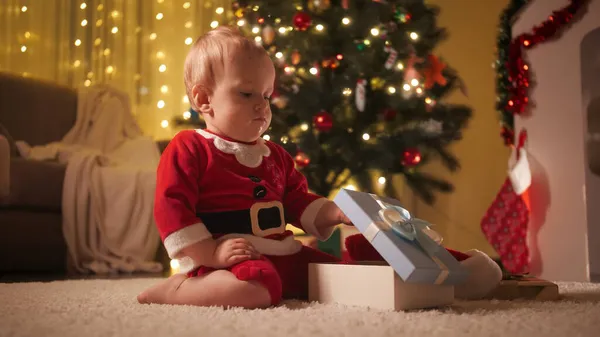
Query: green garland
point(503, 41)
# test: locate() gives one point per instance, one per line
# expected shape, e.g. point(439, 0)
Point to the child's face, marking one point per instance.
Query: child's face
point(240, 101)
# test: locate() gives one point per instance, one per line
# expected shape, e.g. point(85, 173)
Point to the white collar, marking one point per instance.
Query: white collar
point(246, 154)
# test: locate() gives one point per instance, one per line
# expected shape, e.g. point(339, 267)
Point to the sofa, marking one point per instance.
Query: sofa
point(37, 112)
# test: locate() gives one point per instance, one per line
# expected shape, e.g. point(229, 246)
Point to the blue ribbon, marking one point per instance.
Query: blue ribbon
point(409, 228)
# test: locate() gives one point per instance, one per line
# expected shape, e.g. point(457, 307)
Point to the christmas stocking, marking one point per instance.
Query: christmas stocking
point(505, 222)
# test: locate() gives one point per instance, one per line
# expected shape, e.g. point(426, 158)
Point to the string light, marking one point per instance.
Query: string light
point(381, 180)
point(219, 10)
point(164, 123)
point(366, 136)
point(160, 104)
point(159, 16)
point(24, 9)
point(114, 30)
point(414, 36)
point(346, 21)
point(162, 68)
point(83, 5)
point(391, 90)
point(214, 24)
point(267, 137)
point(188, 41)
point(374, 31)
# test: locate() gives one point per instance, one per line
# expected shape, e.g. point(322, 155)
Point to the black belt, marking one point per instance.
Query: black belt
point(240, 221)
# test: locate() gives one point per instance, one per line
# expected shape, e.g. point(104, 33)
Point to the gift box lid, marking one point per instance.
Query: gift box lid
point(407, 244)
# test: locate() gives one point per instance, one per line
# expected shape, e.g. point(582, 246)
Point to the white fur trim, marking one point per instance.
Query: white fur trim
point(520, 172)
point(287, 246)
point(484, 276)
point(308, 217)
point(247, 155)
point(184, 237)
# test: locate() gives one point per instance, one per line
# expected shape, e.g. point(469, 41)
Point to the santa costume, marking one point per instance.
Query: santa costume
point(212, 186)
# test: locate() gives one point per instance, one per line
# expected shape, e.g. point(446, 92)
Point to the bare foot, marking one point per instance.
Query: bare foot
point(158, 292)
point(218, 288)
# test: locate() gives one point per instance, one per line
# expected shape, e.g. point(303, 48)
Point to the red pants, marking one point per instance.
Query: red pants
point(283, 276)
point(287, 276)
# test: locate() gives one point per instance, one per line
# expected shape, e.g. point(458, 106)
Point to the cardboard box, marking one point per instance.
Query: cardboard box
point(373, 285)
point(419, 272)
point(380, 219)
point(526, 288)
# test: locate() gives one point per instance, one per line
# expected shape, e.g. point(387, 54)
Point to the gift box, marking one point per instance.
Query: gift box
point(374, 285)
point(516, 287)
point(419, 273)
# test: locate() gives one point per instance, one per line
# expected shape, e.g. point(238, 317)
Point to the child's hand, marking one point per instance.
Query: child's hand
point(343, 218)
point(231, 251)
point(331, 215)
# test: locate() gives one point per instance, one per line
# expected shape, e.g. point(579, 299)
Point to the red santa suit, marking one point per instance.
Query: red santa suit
point(212, 186)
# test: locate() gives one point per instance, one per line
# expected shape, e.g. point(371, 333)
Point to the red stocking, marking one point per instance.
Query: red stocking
point(505, 222)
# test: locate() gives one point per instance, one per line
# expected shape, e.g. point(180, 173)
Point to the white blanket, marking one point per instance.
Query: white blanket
point(108, 192)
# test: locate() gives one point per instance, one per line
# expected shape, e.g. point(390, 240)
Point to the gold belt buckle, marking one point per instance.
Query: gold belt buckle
point(256, 230)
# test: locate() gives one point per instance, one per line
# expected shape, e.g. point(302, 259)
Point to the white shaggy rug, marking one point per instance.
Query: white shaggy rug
point(109, 308)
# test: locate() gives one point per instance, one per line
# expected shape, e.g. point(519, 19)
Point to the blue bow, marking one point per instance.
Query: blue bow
point(404, 225)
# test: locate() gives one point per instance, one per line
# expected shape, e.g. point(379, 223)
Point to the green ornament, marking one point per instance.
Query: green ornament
point(361, 46)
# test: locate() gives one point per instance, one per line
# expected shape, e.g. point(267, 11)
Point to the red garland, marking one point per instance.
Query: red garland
point(518, 70)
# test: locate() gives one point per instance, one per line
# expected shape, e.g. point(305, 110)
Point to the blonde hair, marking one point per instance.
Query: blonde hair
point(206, 59)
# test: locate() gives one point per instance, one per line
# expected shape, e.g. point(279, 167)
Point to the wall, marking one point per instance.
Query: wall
point(566, 234)
point(472, 28)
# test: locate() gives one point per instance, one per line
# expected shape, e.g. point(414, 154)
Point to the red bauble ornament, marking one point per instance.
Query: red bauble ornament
point(389, 114)
point(411, 157)
point(301, 159)
point(323, 121)
point(302, 21)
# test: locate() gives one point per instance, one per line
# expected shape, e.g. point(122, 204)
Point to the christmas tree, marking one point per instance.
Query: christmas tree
point(359, 91)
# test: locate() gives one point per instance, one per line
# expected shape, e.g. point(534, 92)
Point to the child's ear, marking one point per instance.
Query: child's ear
point(201, 99)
